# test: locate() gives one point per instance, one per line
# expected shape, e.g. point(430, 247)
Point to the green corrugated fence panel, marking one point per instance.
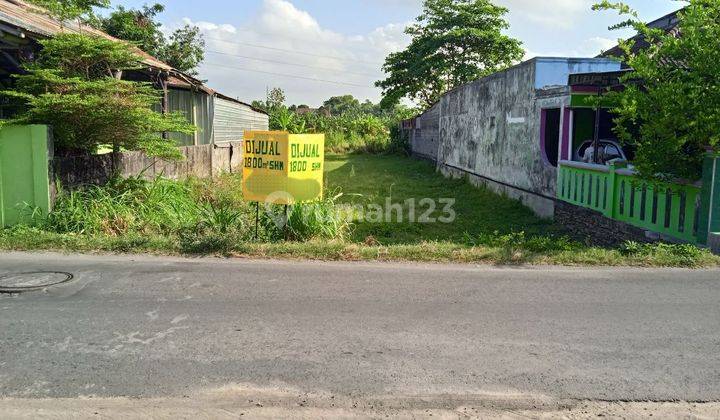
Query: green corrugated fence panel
point(24, 174)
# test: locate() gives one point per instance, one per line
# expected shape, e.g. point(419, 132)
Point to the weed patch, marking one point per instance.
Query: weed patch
point(210, 217)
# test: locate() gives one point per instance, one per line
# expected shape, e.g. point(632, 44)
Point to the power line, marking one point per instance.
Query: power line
point(293, 51)
point(289, 64)
point(282, 36)
point(288, 75)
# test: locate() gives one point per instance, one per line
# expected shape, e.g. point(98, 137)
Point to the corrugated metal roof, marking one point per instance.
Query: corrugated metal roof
point(227, 98)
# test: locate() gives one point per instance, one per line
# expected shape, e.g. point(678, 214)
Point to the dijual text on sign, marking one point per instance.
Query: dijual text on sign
point(283, 168)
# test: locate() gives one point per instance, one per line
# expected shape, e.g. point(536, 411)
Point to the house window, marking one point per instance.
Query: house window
point(550, 132)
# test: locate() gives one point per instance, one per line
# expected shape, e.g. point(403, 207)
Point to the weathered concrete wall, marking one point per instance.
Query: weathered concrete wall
point(491, 128)
point(541, 205)
point(200, 161)
point(425, 137)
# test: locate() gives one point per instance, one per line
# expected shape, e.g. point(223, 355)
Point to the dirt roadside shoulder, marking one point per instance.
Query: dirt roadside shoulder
point(244, 407)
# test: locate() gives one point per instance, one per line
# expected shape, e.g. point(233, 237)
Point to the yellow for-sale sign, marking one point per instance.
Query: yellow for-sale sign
point(283, 168)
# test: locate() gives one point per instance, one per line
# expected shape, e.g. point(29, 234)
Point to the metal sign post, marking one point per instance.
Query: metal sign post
point(282, 168)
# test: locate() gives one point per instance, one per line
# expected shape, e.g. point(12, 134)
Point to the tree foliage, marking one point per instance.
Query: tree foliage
point(137, 26)
point(348, 124)
point(71, 9)
point(275, 99)
point(670, 105)
point(338, 105)
point(74, 87)
point(184, 49)
point(453, 42)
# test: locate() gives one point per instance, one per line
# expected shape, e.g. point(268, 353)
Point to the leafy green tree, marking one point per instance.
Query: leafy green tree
point(339, 105)
point(184, 49)
point(275, 99)
point(74, 86)
point(137, 26)
point(368, 107)
point(670, 105)
point(71, 9)
point(453, 42)
point(261, 105)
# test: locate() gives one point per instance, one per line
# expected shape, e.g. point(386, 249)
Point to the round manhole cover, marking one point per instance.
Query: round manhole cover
point(23, 282)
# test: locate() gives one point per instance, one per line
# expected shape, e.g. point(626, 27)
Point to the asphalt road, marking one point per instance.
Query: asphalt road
point(169, 327)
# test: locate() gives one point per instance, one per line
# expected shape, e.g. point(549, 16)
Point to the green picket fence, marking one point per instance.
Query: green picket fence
point(673, 209)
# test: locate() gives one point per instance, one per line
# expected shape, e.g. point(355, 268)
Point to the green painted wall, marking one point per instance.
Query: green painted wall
point(710, 214)
point(583, 127)
point(24, 173)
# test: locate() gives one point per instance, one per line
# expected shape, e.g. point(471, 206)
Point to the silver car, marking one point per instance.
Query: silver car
point(610, 151)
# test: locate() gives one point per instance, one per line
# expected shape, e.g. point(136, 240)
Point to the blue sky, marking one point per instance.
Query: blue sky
point(333, 47)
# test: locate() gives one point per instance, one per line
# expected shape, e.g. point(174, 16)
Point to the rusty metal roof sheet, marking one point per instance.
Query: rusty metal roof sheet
point(668, 23)
point(37, 21)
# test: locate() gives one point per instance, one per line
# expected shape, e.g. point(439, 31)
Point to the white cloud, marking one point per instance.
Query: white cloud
point(293, 36)
point(564, 14)
point(236, 66)
point(590, 47)
point(600, 43)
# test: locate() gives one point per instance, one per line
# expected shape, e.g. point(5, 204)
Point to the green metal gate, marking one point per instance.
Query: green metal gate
point(24, 173)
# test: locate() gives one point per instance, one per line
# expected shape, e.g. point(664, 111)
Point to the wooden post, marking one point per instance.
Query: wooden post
point(165, 104)
point(257, 220)
point(193, 94)
point(286, 229)
point(596, 134)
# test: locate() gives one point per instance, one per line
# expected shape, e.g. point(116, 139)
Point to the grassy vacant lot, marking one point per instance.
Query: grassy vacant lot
point(210, 217)
point(368, 179)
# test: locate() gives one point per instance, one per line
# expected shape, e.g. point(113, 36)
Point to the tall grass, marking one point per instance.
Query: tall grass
point(123, 206)
point(199, 215)
point(320, 219)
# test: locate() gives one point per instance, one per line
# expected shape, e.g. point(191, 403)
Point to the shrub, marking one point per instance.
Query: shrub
point(321, 219)
point(343, 133)
point(124, 206)
point(515, 245)
point(399, 141)
point(682, 255)
point(200, 215)
point(669, 105)
point(73, 87)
